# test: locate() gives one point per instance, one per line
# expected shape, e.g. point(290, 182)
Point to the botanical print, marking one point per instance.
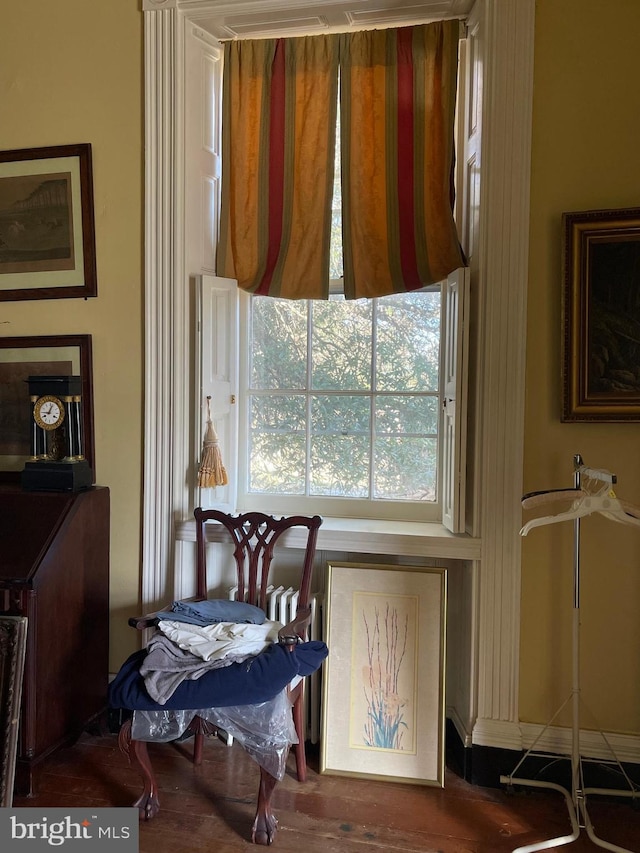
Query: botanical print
point(383, 703)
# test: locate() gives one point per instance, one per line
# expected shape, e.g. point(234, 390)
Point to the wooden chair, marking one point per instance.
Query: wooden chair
point(254, 536)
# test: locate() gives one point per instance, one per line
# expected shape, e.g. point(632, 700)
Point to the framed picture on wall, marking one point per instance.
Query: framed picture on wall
point(42, 355)
point(383, 688)
point(47, 231)
point(601, 315)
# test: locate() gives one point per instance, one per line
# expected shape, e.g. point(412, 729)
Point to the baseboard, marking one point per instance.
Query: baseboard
point(484, 765)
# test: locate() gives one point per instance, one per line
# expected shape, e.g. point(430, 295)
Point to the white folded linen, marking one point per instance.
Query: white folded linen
point(215, 642)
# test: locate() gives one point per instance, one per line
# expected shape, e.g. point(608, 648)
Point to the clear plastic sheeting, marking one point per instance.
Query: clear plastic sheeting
point(265, 730)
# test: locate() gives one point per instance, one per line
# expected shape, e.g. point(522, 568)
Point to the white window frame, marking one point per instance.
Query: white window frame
point(224, 359)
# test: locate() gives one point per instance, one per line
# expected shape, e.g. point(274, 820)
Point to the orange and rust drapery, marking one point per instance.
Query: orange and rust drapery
point(397, 108)
point(397, 103)
point(278, 146)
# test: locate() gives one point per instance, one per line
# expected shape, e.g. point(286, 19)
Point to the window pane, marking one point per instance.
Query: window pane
point(408, 342)
point(340, 441)
point(405, 468)
point(277, 451)
point(418, 415)
point(340, 465)
point(340, 414)
point(278, 413)
point(279, 343)
point(277, 464)
point(341, 345)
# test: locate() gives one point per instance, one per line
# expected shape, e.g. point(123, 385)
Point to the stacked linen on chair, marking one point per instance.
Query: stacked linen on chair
point(232, 674)
point(199, 669)
point(213, 610)
point(220, 632)
point(178, 652)
point(248, 700)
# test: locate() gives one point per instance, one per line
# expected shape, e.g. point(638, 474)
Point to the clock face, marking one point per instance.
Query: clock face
point(48, 412)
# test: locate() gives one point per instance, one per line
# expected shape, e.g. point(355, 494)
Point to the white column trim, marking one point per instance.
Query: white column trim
point(165, 302)
point(503, 246)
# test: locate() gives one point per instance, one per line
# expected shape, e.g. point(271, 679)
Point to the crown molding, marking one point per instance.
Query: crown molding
point(159, 5)
point(223, 19)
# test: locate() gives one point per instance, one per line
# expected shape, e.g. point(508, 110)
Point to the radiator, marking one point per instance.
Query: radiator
point(281, 607)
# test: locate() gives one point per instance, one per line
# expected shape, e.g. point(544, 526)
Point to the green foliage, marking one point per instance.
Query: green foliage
point(350, 386)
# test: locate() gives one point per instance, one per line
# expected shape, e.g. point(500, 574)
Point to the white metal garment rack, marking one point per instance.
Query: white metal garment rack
point(585, 501)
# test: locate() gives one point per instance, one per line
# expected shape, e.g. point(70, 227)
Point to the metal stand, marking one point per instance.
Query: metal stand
point(576, 799)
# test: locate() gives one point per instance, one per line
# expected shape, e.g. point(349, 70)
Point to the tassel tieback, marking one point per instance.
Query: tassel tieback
point(211, 472)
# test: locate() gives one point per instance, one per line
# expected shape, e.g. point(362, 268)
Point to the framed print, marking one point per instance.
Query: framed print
point(13, 644)
point(47, 231)
point(32, 356)
point(601, 315)
point(383, 682)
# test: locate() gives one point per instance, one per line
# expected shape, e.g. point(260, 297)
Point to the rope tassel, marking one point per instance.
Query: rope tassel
point(211, 472)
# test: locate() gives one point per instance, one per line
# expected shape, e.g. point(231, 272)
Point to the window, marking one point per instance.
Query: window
point(342, 401)
point(347, 407)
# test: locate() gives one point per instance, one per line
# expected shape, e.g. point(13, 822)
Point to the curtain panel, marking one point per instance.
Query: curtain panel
point(397, 106)
point(397, 111)
point(278, 148)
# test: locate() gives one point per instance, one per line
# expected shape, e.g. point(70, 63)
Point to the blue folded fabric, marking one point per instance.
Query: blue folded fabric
point(257, 679)
point(213, 610)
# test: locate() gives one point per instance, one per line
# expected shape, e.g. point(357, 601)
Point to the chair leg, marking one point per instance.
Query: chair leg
point(198, 743)
point(265, 824)
point(298, 722)
point(200, 727)
point(147, 803)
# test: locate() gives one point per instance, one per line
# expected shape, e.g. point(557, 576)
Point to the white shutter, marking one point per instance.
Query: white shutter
point(203, 155)
point(218, 351)
point(455, 312)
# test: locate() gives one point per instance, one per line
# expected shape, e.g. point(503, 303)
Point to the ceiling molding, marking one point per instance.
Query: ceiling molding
point(228, 19)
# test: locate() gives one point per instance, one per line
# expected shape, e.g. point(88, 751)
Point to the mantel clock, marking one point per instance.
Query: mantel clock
point(57, 460)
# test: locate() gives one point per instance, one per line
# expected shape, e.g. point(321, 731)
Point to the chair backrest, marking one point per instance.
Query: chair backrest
point(254, 536)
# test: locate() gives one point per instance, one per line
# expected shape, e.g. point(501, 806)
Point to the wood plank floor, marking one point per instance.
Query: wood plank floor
point(210, 808)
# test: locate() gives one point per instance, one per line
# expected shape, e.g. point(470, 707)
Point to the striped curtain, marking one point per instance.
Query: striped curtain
point(279, 118)
point(397, 102)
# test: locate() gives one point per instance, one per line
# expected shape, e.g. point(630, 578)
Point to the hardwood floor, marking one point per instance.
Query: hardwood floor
point(210, 808)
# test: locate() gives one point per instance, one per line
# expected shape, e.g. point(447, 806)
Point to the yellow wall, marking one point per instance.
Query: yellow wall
point(586, 126)
point(71, 72)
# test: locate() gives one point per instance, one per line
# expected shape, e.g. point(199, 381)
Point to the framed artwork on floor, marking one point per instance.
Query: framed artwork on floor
point(383, 687)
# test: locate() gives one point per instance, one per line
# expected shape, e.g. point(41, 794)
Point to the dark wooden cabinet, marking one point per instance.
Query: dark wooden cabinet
point(54, 569)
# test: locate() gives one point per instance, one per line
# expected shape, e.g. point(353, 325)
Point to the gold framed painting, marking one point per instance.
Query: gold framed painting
point(384, 680)
point(47, 228)
point(601, 315)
